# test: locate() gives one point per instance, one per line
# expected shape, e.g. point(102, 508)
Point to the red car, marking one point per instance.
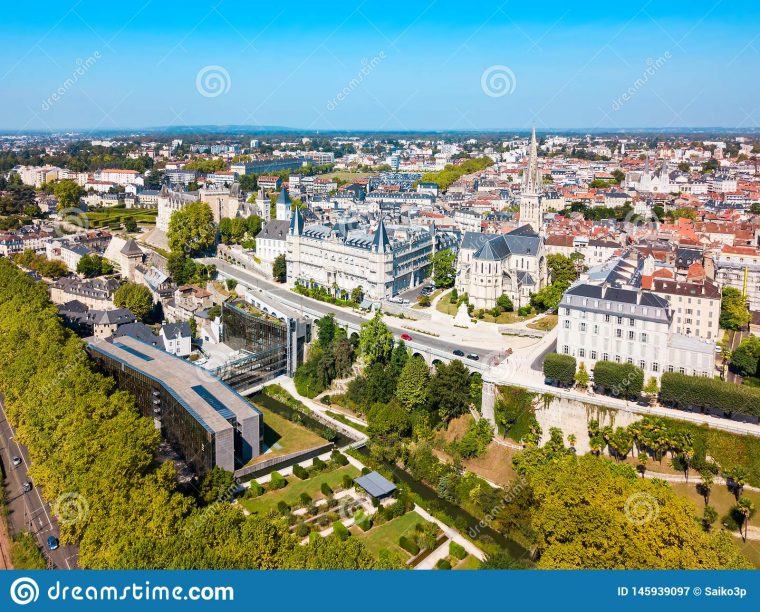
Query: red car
point(406, 337)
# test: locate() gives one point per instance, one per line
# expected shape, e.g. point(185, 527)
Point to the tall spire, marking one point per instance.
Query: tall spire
point(532, 180)
point(380, 241)
point(296, 222)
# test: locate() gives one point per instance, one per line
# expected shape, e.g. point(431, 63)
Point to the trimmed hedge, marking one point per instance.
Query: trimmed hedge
point(348, 482)
point(278, 481)
point(340, 530)
point(254, 490)
point(443, 564)
point(300, 472)
point(620, 378)
point(326, 490)
point(339, 458)
point(408, 545)
point(560, 368)
point(457, 551)
point(305, 499)
point(681, 390)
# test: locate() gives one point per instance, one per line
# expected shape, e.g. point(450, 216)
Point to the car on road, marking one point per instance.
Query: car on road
point(459, 352)
point(16, 461)
point(27, 486)
point(406, 337)
point(473, 356)
point(52, 543)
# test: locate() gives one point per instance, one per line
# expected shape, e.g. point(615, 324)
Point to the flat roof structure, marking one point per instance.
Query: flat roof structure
point(233, 423)
point(376, 484)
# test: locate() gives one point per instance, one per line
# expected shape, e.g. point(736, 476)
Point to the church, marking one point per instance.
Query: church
point(514, 264)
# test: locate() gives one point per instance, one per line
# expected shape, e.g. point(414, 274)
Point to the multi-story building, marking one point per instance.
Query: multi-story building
point(695, 305)
point(532, 207)
point(120, 176)
point(490, 266)
point(739, 267)
point(347, 256)
point(203, 418)
point(271, 241)
point(609, 317)
point(169, 202)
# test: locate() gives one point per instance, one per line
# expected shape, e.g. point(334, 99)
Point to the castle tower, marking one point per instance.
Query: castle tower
point(531, 200)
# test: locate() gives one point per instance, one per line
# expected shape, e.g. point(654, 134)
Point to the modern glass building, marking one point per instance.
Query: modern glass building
point(268, 343)
point(204, 419)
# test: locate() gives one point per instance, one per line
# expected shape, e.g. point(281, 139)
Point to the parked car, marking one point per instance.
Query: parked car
point(459, 352)
point(16, 461)
point(27, 486)
point(473, 356)
point(52, 542)
point(406, 337)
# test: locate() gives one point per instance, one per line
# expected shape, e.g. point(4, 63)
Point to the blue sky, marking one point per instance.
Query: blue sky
point(426, 64)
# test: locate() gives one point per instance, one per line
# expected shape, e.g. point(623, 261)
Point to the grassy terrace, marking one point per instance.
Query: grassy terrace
point(387, 535)
point(446, 307)
point(99, 217)
point(468, 563)
point(545, 324)
point(282, 436)
point(291, 493)
point(346, 421)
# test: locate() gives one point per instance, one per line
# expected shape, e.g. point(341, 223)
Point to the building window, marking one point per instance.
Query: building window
point(593, 354)
point(618, 333)
point(671, 368)
point(630, 335)
point(643, 364)
point(567, 324)
point(581, 352)
point(643, 338)
point(655, 367)
point(629, 360)
point(583, 327)
point(682, 370)
point(596, 330)
point(631, 322)
point(606, 318)
point(606, 357)
point(620, 320)
point(566, 350)
point(617, 358)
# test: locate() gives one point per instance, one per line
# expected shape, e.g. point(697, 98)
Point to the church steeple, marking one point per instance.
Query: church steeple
point(380, 241)
point(532, 180)
point(296, 223)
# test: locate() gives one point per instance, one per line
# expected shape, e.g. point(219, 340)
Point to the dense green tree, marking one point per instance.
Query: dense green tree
point(326, 327)
point(450, 389)
point(734, 313)
point(444, 268)
point(413, 384)
point(375, 340)
point(67, 193)
point(92, 265)
point(253, 225)
point(217, 485)
point(745, 357)
point(280, 269)
point(562, 269)
point(191, 229)
point(560, 368)
point(504, 303)
point(137, 298)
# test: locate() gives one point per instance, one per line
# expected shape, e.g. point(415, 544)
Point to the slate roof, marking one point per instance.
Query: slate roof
point(277, 229)
point(175, 331)
point(130, 248)
point(375, 484)
point(521, 241)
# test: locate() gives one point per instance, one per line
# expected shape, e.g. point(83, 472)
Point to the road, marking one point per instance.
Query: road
point(303, 303)
point(28, 511)
point(734, 341)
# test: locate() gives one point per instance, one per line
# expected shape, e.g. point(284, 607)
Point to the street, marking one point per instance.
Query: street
point(302, 303)
point(28, 511)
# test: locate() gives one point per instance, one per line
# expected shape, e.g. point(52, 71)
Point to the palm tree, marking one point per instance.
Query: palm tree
point(705, 486)
point(746, 508)
point(738, 476)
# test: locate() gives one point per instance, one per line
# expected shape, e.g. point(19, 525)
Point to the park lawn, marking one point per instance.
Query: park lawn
point(104, 216)
point(468, 563)
point(346, 175)
point(386, 536)
point(445, 306)
point(291, 493)
point(546, 323)
point(751, 550)
point(720, 498)
point(282, 436)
